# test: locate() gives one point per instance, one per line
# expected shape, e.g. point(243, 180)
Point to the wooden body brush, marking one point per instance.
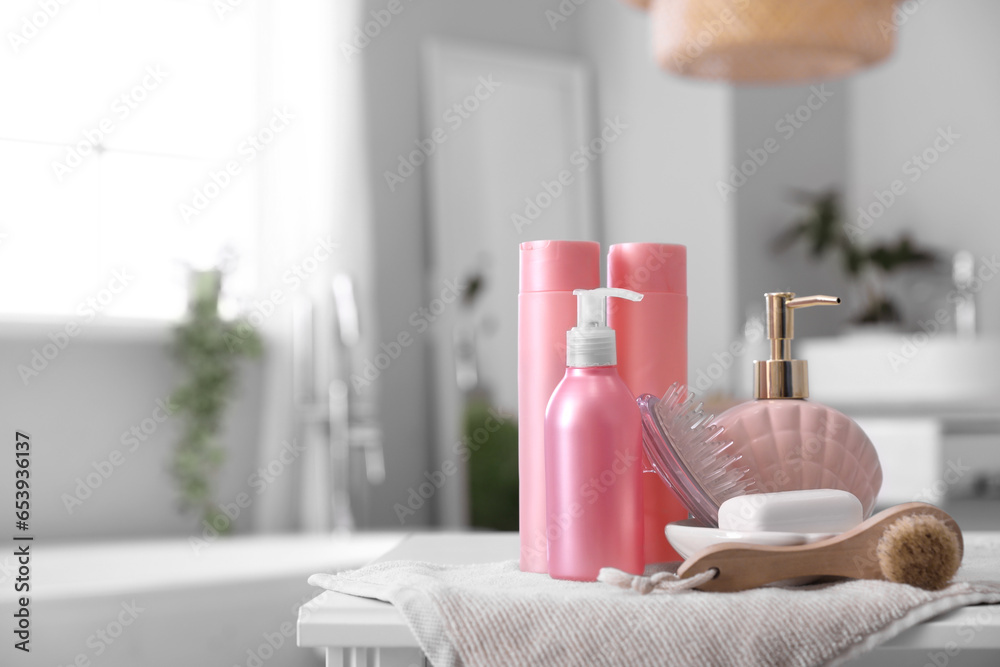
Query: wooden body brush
point(913, 543)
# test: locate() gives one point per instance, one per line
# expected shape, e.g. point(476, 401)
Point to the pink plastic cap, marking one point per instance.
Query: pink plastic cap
point(560, 266)
point(648, 267)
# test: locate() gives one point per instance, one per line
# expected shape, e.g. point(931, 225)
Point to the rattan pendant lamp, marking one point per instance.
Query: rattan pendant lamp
point(770, 41)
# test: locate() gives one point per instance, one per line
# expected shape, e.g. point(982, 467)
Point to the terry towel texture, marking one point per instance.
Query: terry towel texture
point(494, 614)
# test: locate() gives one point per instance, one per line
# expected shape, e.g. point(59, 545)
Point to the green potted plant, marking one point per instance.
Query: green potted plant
point(208, 349)
point(491, 437)
point(867, 268)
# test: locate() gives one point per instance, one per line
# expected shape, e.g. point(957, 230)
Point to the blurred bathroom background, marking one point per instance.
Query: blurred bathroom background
point(356, 175)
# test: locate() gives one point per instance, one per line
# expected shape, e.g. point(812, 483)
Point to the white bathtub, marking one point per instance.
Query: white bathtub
point(161, 603)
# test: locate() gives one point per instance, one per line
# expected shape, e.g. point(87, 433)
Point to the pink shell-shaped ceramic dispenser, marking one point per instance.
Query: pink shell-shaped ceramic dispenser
point(761, 446)
point(789, 445)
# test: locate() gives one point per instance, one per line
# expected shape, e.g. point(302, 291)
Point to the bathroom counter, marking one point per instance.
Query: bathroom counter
point(358, 632)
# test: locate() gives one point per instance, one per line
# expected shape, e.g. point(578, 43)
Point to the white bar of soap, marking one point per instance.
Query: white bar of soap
point(806, 511)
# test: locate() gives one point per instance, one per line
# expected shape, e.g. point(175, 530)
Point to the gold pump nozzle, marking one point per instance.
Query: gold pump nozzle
point(782, 376)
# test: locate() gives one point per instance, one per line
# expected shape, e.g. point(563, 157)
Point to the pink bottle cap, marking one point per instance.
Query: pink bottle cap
point(560, 266)
point(648, 267)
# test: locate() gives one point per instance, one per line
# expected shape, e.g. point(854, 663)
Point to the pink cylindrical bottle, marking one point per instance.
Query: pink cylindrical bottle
point(652, 355)
point(593, 455)
point(546, 309)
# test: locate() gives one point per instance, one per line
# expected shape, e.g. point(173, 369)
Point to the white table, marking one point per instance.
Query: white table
point(359, 632)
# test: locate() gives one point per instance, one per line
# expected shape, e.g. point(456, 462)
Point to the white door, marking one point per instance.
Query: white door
point(509, 164)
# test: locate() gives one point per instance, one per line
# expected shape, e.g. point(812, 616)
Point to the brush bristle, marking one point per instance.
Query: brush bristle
point(702, 447)
point(920, 550)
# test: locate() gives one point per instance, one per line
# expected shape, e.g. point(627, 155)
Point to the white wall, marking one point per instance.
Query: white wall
point(392, 72)
point(658, 179)
point(809, 154)
point(946, 73)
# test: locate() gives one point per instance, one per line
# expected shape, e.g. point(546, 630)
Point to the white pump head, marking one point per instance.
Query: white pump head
point(591, 342)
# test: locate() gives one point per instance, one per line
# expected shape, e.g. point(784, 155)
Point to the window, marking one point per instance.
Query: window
point(118, 122)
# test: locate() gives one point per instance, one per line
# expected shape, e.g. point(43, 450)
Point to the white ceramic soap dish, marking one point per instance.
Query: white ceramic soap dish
point(689, 537)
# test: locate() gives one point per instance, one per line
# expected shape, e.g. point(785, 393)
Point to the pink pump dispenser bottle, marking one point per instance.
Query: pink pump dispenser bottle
point(593, 453)
point(546, 309)
point(652, 356)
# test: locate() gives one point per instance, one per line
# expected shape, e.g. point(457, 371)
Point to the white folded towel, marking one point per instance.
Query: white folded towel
point(494, 614)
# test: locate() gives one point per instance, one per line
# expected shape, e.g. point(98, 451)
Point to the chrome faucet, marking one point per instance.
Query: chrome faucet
point(363, 431)
point(963, 274)
point(332, 422)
